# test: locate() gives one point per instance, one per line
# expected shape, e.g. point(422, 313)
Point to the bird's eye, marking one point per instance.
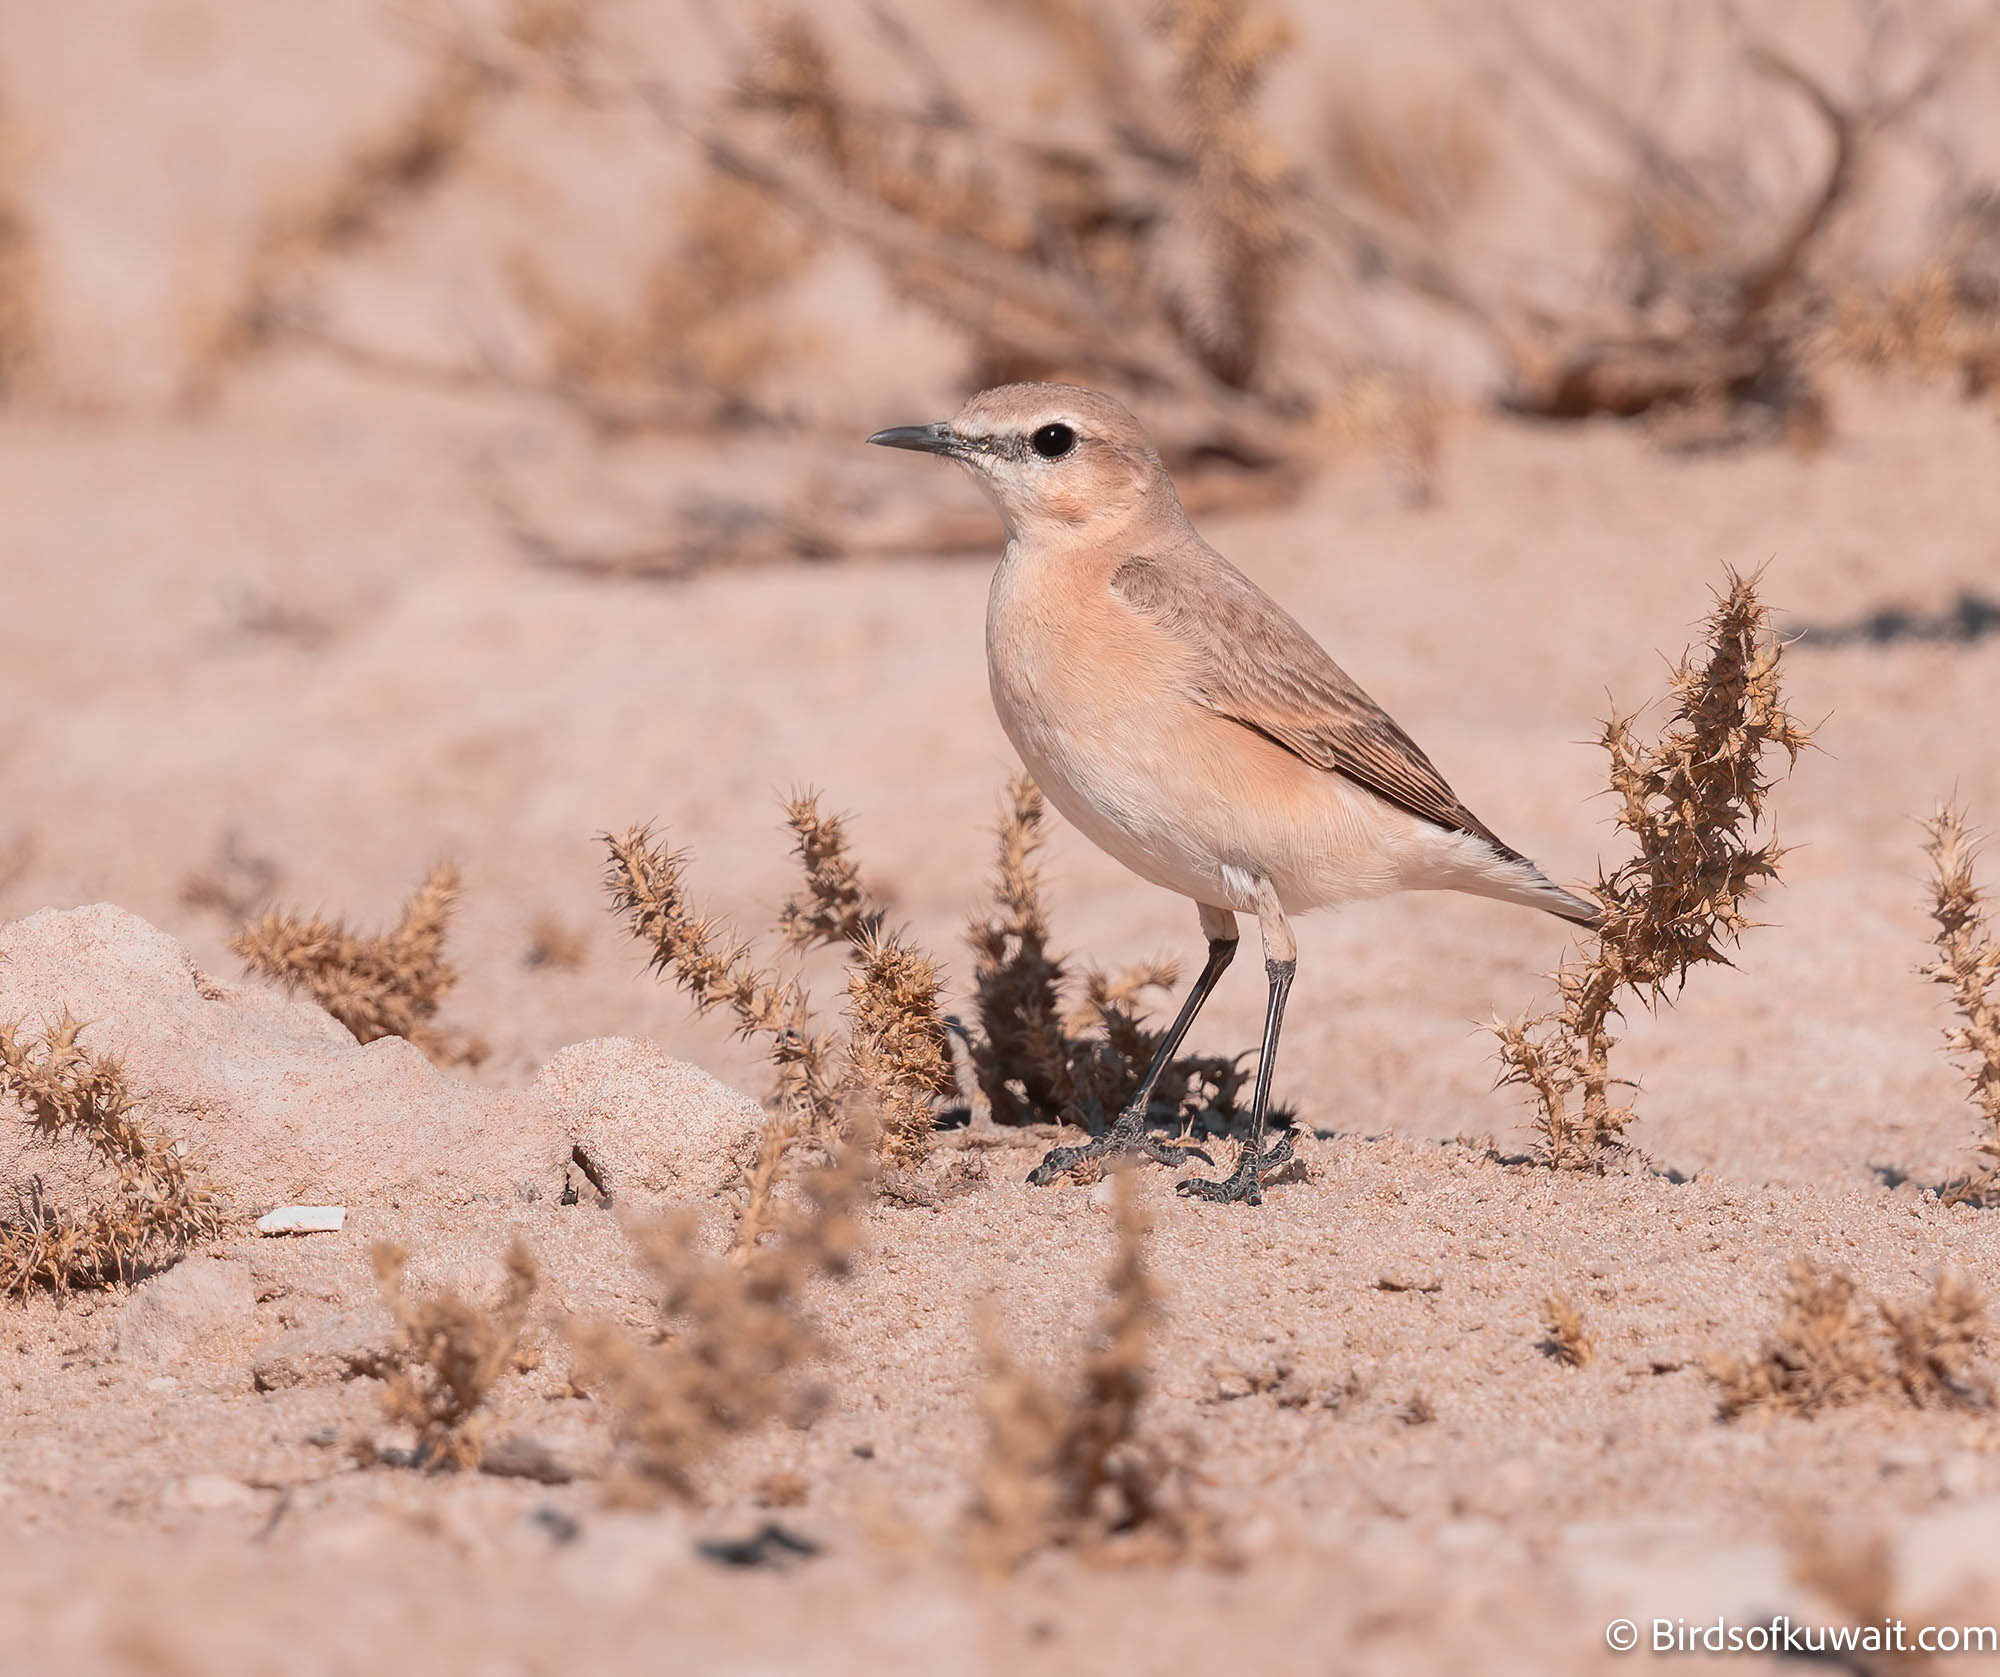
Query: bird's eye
point(1052, 442)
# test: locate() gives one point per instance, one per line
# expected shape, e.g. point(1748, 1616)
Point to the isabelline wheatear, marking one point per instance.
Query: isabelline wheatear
point(1174, 713)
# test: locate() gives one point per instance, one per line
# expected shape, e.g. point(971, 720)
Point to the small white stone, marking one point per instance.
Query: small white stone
point(161, 1383)
point(303, 1219)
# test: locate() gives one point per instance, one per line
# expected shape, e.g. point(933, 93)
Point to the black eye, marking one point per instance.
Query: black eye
point(1052, 442)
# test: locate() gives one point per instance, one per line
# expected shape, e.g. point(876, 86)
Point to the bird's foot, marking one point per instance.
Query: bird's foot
point(1124, 1137)
point(1245, 1184)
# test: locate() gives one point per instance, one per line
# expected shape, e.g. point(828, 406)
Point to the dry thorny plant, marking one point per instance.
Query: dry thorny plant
point(1968, 965)
point(1937, 320)
point(1568, 1341)
point(1144, 232)
point(895, 1058)
point(1043, 1048)
point(449, 1353)
point(379, 178)
point(1041, 1052)
point(691, 350)
point(377, 984)
point(154, 1205)
point(734, 1334)
point(1147, 239)
point(1827, 1352)
point(1144, 250)
point(1722, 285)
point(1693, 801)
point(1071, 1468)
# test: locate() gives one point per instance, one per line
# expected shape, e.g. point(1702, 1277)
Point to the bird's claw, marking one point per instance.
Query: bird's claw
point(1243, 1185)
point(1060, 1161)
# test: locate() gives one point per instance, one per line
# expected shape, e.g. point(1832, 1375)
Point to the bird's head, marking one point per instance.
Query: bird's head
point(1059, 461)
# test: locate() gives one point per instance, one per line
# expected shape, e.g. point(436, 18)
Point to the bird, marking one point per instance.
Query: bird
point(1182, 720)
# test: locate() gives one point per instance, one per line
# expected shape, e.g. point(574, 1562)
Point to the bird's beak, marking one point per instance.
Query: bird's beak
point(925, 439)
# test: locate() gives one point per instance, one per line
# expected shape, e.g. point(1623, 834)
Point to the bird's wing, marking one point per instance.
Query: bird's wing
point(1252, 663)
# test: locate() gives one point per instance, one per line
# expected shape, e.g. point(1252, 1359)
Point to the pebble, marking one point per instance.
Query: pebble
point(303, 1219)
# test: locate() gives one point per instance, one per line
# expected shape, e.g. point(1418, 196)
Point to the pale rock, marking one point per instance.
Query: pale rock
point(303, 1219)
point(277, 1099)
point(195, 1309)
point(324, 1352)
point(653, 1130)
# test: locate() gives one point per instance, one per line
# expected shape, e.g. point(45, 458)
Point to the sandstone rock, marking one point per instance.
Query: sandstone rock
point(279, 1101)
point(192, 1310)
point(652, 1130)
point(321, 1353)
point(281, 1105)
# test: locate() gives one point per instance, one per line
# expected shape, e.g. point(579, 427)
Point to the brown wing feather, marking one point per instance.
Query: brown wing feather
point(1255, 665)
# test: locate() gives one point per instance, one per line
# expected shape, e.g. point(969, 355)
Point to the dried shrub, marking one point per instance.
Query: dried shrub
point(1568, 1341)
point(1941, 319)
point(1833, 1347)
point(1048, 1046)
point(154, 1205)
point(1936, 1342)
point(704, 332)
point(1968, 965)
point(1021, 1054)
point(1923, 322)
point(377, 984)
point(555, 946)
point(379, 178)
point(1693, 801)
point(895, 1057)
point(1822, 1356)
point(1424, 160)
point(450, 1352)
point(1149, 255)
point(734, 1333)
point(1071, 1468)
point(235, 884)
point(896, 1044)
point(691, 349)
point(837, 907)
point(1720, 284)
point(20, 273)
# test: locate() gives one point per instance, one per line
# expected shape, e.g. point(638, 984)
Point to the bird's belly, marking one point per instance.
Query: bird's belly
point(1125, 800)
point(1202, 806)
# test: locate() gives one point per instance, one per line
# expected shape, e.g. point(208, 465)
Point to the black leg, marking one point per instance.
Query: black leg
point(1245, 1183)
point(1128, 1135)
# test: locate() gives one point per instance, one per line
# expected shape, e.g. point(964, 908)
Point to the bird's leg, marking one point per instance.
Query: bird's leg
point(1128, 1134)
point(1245, 1183)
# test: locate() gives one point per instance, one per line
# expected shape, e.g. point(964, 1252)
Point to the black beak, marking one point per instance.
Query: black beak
point(925, 439)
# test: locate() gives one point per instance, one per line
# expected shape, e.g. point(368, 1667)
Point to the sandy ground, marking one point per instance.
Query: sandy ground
point(452, 700)
point(288, 627)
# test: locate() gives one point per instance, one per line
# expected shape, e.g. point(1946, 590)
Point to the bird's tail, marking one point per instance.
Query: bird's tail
point(1512, 878)
point(1565, 905)
point(1531, 887)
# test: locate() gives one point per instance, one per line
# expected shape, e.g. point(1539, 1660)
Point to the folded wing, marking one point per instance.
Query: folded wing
point(1252, 663)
